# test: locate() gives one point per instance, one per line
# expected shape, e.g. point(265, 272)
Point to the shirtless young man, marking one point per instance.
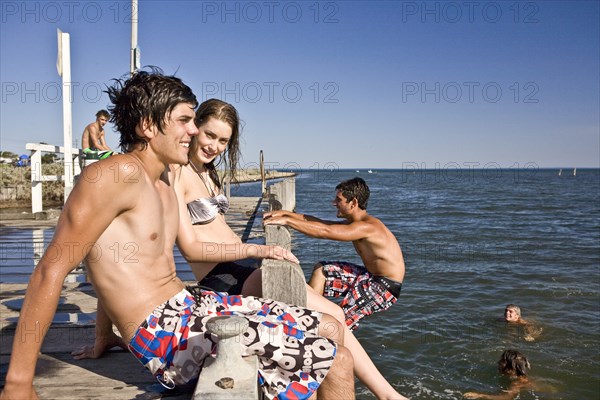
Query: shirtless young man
point(140, 292)
point(366, 290)
point(93, 141)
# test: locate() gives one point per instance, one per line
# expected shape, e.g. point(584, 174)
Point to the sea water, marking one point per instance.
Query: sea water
point(473, 241)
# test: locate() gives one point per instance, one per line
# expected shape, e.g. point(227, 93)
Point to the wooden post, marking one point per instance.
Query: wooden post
point(76, 164)
point(282, 195)
point(282, 280)
point(227, 184)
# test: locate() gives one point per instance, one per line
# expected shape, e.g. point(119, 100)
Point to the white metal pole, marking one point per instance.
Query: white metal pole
point(134, 60)
point(65, 72)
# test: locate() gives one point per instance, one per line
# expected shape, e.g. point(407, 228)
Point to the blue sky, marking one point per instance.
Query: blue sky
point(378, 84)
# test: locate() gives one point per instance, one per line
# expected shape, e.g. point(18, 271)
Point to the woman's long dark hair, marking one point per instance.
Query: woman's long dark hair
point(513, 361)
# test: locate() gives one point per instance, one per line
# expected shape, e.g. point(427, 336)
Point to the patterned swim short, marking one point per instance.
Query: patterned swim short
point(293, 360)
point(363, 293)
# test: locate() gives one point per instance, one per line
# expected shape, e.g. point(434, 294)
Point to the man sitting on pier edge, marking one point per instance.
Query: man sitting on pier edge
point(366, 290)
point(93, 140)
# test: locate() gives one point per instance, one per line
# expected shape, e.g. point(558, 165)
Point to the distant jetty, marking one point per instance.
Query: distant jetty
point(253, 175)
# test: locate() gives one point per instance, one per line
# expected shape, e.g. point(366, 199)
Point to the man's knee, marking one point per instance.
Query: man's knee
point(318, 272)
point(317, 279)
point(344, 363)
point(343, 355)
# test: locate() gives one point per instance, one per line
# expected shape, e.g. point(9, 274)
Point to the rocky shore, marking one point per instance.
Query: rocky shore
point(15, 184)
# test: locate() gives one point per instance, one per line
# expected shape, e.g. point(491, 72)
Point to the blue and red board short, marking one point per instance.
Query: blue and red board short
point(173, 341)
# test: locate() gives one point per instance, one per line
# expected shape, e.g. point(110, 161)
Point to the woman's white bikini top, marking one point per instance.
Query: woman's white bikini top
point(204, 210)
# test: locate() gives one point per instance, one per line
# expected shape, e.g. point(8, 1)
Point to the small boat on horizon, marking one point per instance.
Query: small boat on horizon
point(560, 172)
point(369, 171)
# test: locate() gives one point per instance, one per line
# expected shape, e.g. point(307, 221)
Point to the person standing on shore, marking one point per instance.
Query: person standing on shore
point(93, 141)
point(366, 289)
point(163, 322)
point(202, 206)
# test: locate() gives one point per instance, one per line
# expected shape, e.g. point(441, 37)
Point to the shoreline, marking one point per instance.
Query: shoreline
point(243, 176)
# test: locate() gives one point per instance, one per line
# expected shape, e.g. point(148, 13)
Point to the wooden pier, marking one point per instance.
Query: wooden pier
point(117, 375)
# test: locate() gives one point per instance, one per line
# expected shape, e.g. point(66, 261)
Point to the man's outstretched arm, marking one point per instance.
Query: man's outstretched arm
point(318, 228)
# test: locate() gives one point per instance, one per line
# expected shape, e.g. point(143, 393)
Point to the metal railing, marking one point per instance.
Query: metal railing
point(72, 169)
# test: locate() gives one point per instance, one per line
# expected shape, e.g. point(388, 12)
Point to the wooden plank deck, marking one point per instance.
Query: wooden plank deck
point(117, 375)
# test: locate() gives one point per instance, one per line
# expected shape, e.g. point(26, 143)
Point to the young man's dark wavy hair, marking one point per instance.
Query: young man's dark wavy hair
point(147, 95)
point(355, 188)
point(103, 113)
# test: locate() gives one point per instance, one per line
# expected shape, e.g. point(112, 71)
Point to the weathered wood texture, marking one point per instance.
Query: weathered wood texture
point(117, 375)
point(282, 195)
point(282, 280)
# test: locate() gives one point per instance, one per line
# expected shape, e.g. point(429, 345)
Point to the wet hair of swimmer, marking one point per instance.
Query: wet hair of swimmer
point(513, 362)
point(514, 307)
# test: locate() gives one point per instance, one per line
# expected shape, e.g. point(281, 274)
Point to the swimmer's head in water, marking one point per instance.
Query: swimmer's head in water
point(512, 313)
point(513, 362)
